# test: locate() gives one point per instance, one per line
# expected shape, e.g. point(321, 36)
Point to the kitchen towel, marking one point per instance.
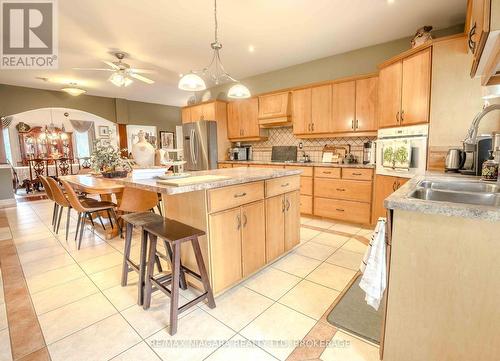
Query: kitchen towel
point(373, 267)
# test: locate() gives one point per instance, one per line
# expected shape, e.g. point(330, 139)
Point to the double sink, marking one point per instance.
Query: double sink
point(466, 192)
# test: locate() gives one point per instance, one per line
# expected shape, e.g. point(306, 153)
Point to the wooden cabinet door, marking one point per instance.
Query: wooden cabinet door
point(186, 115)
point(343, 106)
point(208, 111)
point(233, 120)
point(196, 113)
point(292, 219)
point(273, 105)
point(253, 237)
point(225, 243)
point(249, 121)
point(366, 104)
point(301, 111)
point(275, 225)
point(389, 95)
point(384, 186)
point(416, 91)
point(321, 109)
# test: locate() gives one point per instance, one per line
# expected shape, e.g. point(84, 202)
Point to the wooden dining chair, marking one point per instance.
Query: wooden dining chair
point(50, 196)
point(84, 165)
point(37, 167)
point(63, 166)
point(86, 208)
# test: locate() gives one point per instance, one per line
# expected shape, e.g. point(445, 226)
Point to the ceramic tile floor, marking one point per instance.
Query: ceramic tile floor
point(85, 314)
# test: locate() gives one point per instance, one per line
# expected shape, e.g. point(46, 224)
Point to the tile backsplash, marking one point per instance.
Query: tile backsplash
point(312, 147)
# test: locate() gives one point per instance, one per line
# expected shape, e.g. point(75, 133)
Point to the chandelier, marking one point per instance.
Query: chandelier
point(215, 72)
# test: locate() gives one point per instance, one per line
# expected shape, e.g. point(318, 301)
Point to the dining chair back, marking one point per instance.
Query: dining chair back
point(64, 166)
point(57, 193)
point(72, 197)
point(37, 167)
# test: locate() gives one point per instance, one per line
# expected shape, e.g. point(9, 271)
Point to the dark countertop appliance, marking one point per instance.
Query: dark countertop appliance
point(284, 154)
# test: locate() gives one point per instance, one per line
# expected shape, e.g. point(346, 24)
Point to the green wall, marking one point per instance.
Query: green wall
point(356, 62)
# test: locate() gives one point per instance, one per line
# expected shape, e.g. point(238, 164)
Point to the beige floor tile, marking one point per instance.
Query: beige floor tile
point(351, 228)
point(272, 283)
point(101, 263)
point(306, 234)
point(85, 254)
point(305, 219)
point(280, 324)
point(34, 268)
point(238, 307)
point(88, 241)
point(346, 258)
point(53, 278)
point(122, 297)
point(76, 316)
point(41, 253)
point(354, 245)
point(365, 232)
point(157, 317)
point(241, 349)
point(5, 354)
point(317, 251)
point(330, 239)
point(297, 265)
point(322, 223)
point(106, 338)
point(198, 326)
point(331, 276)
point(140, 352)
point(348, 348)
point(309, 298)
point(36, 244)
point(111, 277)
point(63, 294)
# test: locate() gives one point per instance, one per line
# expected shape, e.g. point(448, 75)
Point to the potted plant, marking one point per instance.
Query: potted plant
point(106, 159)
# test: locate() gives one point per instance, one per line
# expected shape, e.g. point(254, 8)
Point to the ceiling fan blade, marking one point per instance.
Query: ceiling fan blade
point(110, 64)
point(142, 71)
point(141, 78)
point(93, 69)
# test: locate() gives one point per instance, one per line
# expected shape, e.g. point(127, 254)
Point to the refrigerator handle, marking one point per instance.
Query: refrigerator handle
point(191, 146)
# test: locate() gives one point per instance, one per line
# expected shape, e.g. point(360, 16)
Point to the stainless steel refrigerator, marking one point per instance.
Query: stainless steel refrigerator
point(200, 145)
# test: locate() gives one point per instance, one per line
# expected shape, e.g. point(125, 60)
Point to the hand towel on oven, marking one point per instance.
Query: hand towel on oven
point(373, 267)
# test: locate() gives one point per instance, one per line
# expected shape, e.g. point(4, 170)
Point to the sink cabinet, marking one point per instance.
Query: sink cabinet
point(384, 187)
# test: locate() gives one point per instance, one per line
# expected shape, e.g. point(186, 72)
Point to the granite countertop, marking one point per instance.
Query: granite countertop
point(309, 164)
point(235, 176)
point(401, 200)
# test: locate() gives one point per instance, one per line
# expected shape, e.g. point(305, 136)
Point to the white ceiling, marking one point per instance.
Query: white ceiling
point(174, 36)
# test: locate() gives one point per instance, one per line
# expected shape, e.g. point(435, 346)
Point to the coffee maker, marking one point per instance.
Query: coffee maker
point(475, 155)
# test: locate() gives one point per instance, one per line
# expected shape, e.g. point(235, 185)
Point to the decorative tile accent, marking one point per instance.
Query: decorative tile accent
point(312, 147)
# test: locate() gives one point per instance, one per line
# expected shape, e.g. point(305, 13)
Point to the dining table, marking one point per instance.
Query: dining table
point(98, 185)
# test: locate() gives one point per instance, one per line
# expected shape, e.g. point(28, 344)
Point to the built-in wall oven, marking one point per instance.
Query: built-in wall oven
point(402, 151)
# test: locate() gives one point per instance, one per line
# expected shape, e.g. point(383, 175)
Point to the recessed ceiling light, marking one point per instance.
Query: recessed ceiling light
point(391, 1)
point(251, 48)
point(73, 90)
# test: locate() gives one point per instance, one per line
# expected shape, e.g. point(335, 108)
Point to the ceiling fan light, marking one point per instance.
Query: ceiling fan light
point(120, 80)
point(191, 82)
point(74, 91)
point(238, 91)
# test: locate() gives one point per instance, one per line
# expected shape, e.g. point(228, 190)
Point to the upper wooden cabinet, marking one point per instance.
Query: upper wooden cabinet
point(206, 111)
point(301, 110)
point(242, 121)
point(344, 106)
point(404, 90)
point(186, 115)
point(321, 110)
point(275, 109)
point(366, 104)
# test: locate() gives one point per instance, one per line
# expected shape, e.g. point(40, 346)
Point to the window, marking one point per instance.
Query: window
point(6, 142)
point(82, 144)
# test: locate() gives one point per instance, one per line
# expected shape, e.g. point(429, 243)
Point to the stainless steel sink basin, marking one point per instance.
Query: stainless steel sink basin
point(460, 186)
point(478, 198)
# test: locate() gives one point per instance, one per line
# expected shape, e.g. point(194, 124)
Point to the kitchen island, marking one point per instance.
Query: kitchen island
point(443, 255)
point(250, 216)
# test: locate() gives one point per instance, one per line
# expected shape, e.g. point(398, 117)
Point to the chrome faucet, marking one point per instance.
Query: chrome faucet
point(472, 132)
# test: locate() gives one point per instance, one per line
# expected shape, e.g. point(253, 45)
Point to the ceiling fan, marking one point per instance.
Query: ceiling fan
point(122, 72)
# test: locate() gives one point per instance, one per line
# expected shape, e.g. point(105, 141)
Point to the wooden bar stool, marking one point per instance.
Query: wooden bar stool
point(175, 233)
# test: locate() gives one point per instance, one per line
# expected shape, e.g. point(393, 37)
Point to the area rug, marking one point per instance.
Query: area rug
point(353, 315)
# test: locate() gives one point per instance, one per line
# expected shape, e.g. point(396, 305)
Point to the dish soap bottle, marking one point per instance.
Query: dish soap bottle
point(490, 168)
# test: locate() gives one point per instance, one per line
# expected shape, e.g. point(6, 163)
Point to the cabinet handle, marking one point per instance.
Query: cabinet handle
point(398, 185)
point(341, 189)
point(327, 172)
point(472, 43)
point(397, 117)
point(357, 125)
point(402, 117)
point(287, 205)
point(239, 195)
point(394, 186)
point(339, 209)
point(238, 222)
point(285, 185)
point(352, 124)
point(312, 125)
point(356, 173)
point(245, 220)
point(309, 127)
point(283, 205)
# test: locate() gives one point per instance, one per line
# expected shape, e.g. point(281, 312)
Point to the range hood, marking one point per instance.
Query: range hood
point(275, 110)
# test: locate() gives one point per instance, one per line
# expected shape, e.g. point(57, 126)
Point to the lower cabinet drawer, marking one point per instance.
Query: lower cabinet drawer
point(327, 172)
point(306, 204)
point(350, 211)
point(306, 186)
point(225, 165)
point(229, 197)
point(282, 185)
point(350, 190)
point(356, 173)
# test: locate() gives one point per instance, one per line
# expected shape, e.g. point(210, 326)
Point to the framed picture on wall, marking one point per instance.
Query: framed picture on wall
point(166, 140)
point(103, 131)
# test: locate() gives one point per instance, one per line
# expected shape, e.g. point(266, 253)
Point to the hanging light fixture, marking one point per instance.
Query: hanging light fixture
point(215, 72)
point(74, 90)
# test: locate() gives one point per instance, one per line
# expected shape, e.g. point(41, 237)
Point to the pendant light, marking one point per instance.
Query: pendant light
point(215, 72)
